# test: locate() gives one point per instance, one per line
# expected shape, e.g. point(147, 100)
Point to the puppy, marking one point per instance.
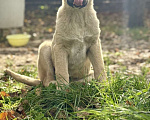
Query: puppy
point(75, 46)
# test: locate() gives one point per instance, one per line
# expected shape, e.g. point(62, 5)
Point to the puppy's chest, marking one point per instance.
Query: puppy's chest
point(77, 48)
point(78, 53)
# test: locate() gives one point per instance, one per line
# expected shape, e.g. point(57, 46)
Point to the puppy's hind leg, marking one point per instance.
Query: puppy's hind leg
point(45, 65)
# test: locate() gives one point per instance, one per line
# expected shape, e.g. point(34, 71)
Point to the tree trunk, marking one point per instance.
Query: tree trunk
point(136, 9)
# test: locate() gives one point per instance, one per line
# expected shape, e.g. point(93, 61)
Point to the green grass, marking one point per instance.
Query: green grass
point(142, 33)
point(123, 96)
point(14, 88)
point(111, 31)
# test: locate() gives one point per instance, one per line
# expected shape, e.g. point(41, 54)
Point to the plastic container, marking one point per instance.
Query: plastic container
point(18, 40)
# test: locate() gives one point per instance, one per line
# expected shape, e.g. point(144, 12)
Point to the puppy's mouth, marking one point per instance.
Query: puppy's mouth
point(77, 3)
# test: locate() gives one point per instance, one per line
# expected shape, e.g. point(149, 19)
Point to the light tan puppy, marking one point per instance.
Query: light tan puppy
point(75, 46)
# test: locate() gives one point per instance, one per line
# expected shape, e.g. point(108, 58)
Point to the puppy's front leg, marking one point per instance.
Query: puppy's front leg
point(61, 64)
point(96, 58)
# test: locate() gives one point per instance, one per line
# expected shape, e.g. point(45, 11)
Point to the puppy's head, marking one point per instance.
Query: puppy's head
point(77, 3)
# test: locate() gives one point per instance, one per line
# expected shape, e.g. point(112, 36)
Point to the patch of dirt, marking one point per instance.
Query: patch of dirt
point(133, 60)
point(19, 59)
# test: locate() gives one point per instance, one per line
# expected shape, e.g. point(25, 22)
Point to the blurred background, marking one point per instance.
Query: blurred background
point(121, 21)
point(125, 26)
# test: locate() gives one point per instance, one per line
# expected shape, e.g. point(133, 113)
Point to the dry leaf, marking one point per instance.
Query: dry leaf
point(3, 115)
point(11, 114)
point(138, 53)
point(7, 115)
point(4, 94)
point(50, 30)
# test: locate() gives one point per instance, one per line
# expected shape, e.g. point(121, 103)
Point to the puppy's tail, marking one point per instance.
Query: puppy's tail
point(23, 79)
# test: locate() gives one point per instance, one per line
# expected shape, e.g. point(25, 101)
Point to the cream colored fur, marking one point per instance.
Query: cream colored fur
point(75, 46)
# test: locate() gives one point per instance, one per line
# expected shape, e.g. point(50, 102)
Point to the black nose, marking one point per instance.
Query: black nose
point(70, 3)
